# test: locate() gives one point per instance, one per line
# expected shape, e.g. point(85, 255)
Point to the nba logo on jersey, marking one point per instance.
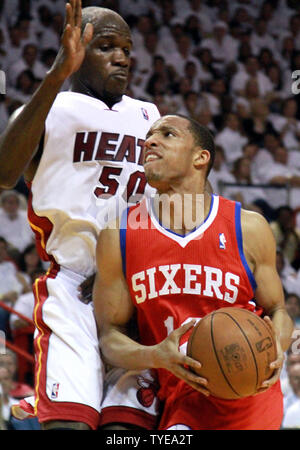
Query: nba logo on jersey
point(222, 241)
point(145, 113)
point(54, 393)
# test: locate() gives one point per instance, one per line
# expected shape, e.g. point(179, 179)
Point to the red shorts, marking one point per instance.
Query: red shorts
point(192, 409)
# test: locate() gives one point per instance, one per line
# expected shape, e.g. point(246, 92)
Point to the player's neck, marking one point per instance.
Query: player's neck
point(81, 88)
point(182, 213)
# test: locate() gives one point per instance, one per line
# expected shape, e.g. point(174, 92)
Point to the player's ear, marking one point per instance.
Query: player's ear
point(201, 157)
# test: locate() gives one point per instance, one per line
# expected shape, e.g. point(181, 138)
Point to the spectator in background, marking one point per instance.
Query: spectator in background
point(287, 124)
point(224, 48)
point(29, 61)
point(193, 29)
point(291, 357)
point(4, 114)
point(287, 50)
point(51, 35)
point(266, 59)
point(291, 417)
point(206, 73)
point(242, 19)
point(17, 390)
point(184, 53)
point(25, 87)
point(288, 275)
point(198, 9)
point(285, 234)
point(14, 226)
point(257, 124)
point(251, 198)
point(8, 401)
point(275, 97)
point(191, 74)
point(252, 70)
point(260, 39)
point(243, 101)
point(193, 104)
point(29, 261)
point(214, 96)
point(219, 173)
point(146, 53)
point(11, 283)
point(292, 302)
point(231, 138)
point(294, 29)
point(283, 171)
point(264, 155)
point(27, 26)
point(14, 46)
point(25, 304)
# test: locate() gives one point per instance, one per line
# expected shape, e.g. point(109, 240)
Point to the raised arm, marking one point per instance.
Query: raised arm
point(20, 140)
point(114, 308)
point(260, 251)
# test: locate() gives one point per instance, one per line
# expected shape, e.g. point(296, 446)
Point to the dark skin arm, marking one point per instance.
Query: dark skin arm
point(20, 141)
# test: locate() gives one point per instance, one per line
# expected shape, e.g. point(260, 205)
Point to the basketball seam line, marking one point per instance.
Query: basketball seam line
point(249, 343)
point(220, 366)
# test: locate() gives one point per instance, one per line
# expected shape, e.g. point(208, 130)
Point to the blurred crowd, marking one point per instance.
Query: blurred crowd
point(234, 66)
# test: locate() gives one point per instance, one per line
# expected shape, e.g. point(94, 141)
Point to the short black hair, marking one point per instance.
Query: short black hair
point(203, 137)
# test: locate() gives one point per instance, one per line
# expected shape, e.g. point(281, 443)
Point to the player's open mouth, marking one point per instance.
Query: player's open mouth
point(151, 156)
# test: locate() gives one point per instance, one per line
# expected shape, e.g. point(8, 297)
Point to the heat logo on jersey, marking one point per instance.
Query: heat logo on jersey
point(97, 146)
point(222, 241)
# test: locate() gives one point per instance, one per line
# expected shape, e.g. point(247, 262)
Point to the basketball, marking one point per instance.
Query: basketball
point(235, 348)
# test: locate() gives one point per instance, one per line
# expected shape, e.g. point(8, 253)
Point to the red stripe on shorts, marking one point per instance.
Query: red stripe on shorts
point(45, 409)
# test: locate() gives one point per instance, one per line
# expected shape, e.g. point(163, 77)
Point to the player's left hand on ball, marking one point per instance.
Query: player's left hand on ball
point(275, 365)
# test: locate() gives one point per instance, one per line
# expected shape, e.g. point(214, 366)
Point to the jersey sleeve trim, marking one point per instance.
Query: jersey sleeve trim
point(239, 236)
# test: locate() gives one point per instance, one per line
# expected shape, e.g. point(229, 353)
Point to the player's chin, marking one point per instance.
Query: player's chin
point(117, 85)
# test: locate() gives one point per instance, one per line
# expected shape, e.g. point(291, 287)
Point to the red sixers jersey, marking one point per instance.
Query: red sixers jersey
point(174, 278)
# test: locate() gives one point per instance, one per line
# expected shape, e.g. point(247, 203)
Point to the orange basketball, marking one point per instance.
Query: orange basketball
point(235, 348)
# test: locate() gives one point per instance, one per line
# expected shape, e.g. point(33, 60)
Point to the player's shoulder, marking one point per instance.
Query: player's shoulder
point(253, 221)
point(141, 104)
point(65, 98)
point(256, 231)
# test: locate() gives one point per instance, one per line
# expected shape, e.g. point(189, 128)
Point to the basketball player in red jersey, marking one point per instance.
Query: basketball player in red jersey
point(76, 149)
point(174, 271)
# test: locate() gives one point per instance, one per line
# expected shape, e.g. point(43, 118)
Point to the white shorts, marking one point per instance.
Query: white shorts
point(130, 397)
point(69, 372)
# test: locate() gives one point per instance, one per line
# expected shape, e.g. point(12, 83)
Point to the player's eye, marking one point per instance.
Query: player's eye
point(126, 51)
point(168, 133)
point(104, 48)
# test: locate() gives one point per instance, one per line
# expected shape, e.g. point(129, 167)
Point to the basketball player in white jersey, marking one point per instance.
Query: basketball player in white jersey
point(77, 150)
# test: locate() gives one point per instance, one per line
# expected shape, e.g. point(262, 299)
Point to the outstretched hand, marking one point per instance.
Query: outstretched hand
point(168, 356)
point(73, 42)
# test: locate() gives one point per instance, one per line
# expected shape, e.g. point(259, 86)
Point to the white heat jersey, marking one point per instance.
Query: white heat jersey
point(92, 156)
